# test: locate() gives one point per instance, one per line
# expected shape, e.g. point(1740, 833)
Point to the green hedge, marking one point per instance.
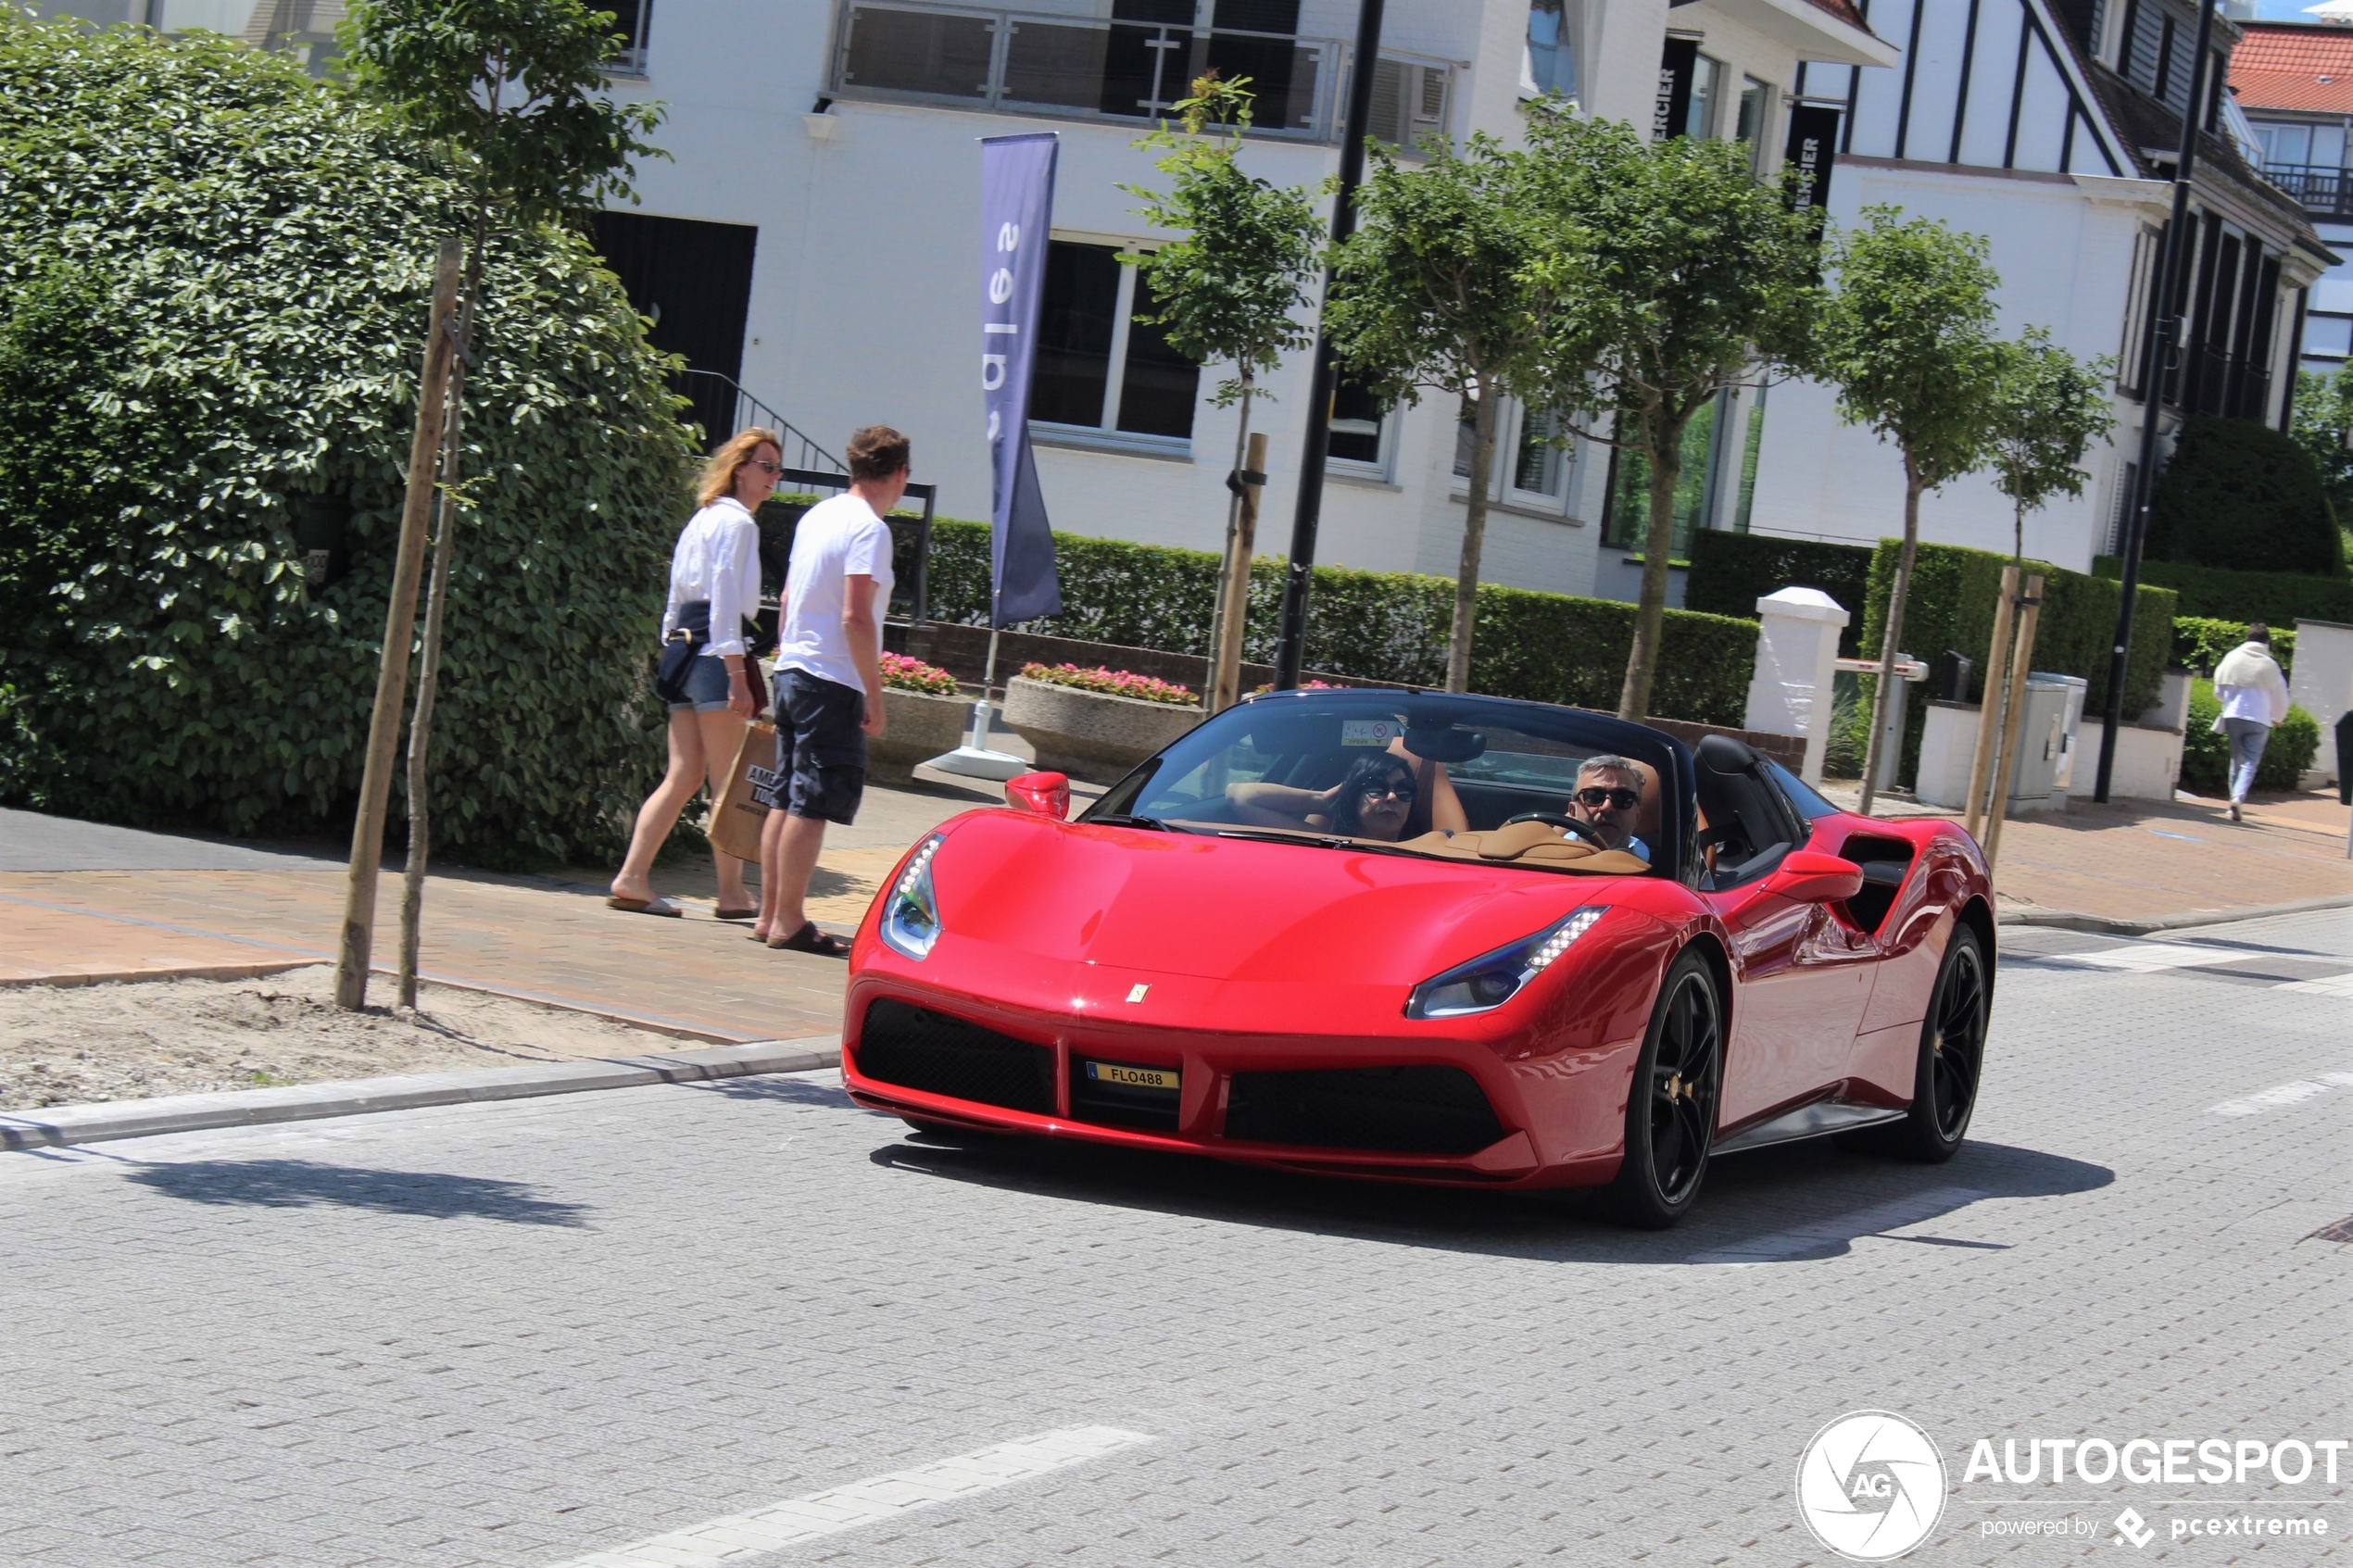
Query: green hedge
point(1374, 625)
point(1952, 604)
point(2206, 755)
point(2199, 643)
point(1732, 571)
point(2238, 492)
point(2278, 598)
point(214, 278)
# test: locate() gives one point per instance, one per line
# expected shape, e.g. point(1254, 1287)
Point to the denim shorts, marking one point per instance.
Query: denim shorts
point(706, 684)
point(821, 746)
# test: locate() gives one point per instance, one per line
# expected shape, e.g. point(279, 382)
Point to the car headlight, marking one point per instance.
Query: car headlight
point(911, 919)
point(1492, 979)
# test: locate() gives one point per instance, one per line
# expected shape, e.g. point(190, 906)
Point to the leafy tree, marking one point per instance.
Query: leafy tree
point(2240, 496)
point(1230, 289)
point(1439, 288)
point(2322, 425)
point(1907, 340)
point(212, 271)
point(513, 93)
point(2049, 407)
point(1677, 274)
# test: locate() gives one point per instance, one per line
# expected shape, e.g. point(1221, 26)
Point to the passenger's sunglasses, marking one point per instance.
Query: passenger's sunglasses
point(1402, 788)
point(1596, 796)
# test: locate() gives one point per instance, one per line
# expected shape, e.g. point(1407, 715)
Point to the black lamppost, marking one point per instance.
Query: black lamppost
point(2159, 343)
point(1291, 651)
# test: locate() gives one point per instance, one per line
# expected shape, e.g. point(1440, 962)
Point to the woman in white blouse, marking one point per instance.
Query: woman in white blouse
point(714, 589)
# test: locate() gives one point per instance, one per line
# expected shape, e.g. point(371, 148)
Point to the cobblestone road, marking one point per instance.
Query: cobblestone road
point(524, 1334)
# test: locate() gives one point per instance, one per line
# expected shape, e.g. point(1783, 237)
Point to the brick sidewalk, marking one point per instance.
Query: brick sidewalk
point(554, 940)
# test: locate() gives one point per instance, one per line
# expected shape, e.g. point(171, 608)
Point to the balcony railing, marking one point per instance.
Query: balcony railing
point(2324, 191)
point(1065, 66)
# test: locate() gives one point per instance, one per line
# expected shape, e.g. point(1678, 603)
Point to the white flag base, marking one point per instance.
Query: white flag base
point(976, 759)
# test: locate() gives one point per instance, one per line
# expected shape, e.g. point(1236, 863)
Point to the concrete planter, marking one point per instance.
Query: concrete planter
point(917, 727)
point(1092, 735)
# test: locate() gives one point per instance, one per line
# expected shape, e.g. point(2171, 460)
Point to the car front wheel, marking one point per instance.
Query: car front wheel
point(1671, 1108)
point(1952, 1056)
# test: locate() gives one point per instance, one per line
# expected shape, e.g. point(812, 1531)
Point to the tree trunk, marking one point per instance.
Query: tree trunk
point(1896, 593)
point(1233, 532)
point(1458, 641)
point(1650, 617)
point(392, 674)
point(412, 879)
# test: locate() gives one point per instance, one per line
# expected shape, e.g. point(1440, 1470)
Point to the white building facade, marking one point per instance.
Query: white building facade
point(2050, 126)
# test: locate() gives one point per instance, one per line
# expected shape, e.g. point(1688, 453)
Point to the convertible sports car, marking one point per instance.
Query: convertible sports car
point(1229, 955)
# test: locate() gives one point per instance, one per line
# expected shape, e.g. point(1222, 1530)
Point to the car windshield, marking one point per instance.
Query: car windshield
point(1459, 778)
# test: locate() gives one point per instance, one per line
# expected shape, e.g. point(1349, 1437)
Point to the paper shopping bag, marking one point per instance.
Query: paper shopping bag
point(735, 821)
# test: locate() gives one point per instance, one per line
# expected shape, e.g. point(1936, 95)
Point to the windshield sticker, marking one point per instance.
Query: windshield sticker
point(1368, 732)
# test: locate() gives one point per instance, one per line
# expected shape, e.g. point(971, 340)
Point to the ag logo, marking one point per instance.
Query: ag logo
point(1870, 1485)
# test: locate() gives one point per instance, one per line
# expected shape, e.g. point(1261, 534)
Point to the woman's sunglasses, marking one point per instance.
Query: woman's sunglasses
point(1596, 796)
point(764, 465)
point(1402, 788)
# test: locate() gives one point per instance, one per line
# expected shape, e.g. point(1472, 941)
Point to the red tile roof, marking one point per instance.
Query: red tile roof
point(2289, 66)
point(1845, 11)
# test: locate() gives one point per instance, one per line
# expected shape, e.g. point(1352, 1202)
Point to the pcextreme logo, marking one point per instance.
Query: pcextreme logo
point(1870, 1485)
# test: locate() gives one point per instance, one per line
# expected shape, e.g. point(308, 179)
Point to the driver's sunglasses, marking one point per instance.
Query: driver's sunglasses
point(1402, 788)
point(1596, 796)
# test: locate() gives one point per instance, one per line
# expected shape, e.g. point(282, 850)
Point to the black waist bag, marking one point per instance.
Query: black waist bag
point(681, 648)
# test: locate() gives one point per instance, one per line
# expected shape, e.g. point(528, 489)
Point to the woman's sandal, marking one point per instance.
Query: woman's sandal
point(661, 907)
point(809, 939)
point(750, 911)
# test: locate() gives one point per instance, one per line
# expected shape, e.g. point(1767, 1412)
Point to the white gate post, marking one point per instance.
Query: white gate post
point(1796, 649)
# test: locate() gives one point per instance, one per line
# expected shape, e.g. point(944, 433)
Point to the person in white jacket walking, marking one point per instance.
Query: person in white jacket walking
point(2254, 698)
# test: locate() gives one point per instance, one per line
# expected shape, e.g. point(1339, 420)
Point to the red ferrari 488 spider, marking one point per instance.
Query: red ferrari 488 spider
point(1432, 938)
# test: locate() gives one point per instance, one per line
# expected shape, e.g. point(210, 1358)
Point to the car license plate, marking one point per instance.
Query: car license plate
point(1127, 1077)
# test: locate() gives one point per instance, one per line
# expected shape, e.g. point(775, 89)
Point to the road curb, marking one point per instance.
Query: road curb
point(60, 1125)
point(185, 971)
point(2101, 925)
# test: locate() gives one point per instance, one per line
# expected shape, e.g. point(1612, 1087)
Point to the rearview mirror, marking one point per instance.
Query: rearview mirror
point(1048, 795)
point(1807, 877)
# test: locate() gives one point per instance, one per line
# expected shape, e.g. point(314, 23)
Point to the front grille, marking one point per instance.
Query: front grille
point(917, 1049)
point(1401, 1110)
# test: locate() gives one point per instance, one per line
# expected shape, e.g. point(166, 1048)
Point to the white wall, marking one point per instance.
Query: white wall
point(2065, 260)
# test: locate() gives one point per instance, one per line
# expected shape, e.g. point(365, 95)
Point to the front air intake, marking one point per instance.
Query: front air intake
point(917, 1049)
point(1396, 1110)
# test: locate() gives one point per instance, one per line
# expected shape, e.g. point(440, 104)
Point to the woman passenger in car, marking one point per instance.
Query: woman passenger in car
point(1376, 800)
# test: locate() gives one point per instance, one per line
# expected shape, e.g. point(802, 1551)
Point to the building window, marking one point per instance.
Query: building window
point(1548, 64)
point(1627, 521)
point(1098, 368)
point(1531, 471)
point(1707, 77)
point(2327, 337)
point(632, 19)
point(1360, 429)
point(1757, 98)
point(1409, 102)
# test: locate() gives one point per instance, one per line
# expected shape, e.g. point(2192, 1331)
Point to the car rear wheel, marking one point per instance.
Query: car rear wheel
point(1952, 1056)
point(1671, 1108)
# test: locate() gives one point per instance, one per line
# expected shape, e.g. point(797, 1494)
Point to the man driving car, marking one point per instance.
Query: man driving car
point(1608, 794)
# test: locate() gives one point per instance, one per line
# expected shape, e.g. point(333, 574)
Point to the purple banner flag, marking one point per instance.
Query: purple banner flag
point(1016, 217)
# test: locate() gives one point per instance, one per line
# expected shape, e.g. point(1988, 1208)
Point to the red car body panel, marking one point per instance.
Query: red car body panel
point(1213, 956)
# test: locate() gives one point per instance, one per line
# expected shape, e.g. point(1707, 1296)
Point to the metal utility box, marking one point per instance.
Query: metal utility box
point(2041, 743)
point(2071, 726)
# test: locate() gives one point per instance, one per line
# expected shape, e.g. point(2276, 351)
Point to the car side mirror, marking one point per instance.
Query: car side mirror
point(1046, 793)
point(1807, 876)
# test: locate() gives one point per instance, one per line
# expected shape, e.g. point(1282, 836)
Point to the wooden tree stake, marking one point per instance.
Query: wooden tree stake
point(2006, 759)
point(1989, 710)
point(1234, 598)
point(400, 621)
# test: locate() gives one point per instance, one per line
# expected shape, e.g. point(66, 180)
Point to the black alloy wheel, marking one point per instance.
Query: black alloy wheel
point(1952, 1056)
point(1671, 1108)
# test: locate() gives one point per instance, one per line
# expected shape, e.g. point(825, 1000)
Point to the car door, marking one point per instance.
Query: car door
point(1803, 975)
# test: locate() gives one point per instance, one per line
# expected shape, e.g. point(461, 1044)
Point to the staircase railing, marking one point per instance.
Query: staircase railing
point(714, 393)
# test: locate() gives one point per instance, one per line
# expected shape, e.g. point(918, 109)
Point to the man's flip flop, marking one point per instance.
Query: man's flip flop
point(809, 939)
point(661, 907)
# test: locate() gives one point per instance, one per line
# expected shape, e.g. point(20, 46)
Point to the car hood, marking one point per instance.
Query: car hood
point(1229, 908)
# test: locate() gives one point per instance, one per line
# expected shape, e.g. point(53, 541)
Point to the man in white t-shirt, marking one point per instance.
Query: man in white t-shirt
point(828, 682)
